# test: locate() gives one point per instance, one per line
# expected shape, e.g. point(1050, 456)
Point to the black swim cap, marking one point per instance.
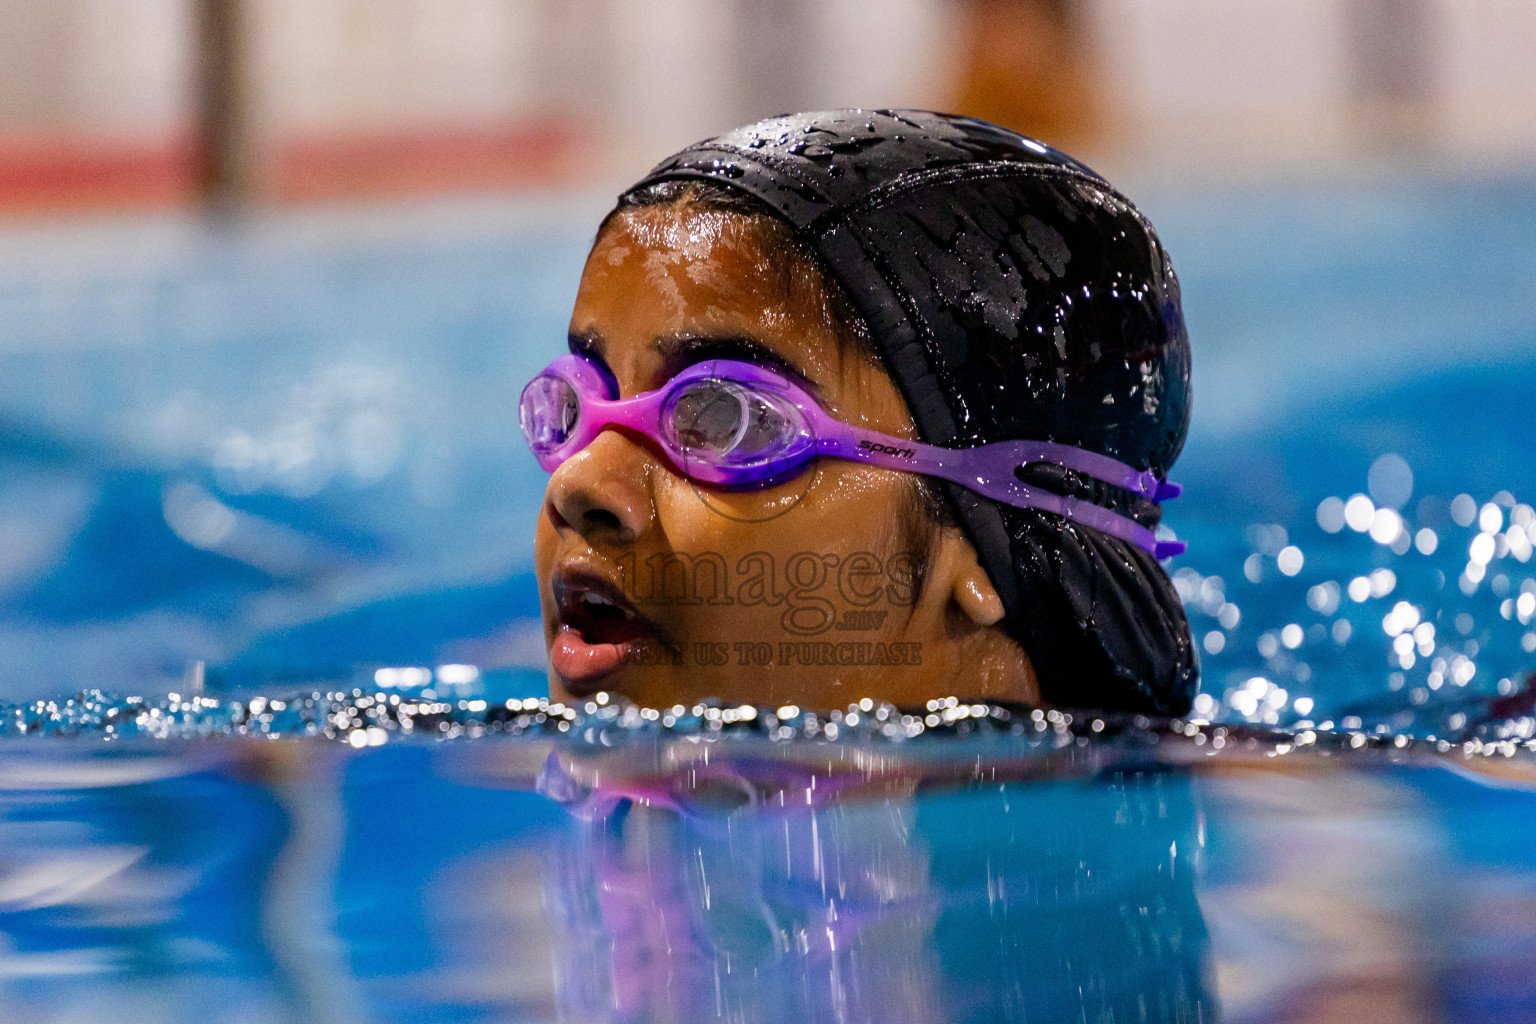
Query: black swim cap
point(1012, 294)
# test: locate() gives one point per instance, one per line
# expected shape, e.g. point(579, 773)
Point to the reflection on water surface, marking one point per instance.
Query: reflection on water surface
point(993, 868)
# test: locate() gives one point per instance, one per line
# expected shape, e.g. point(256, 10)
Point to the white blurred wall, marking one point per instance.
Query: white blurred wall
point(1198, 80)
point(677, 71)
point(117, 67)
point(326, 65)
point(1189, 83)
point(1485, 76)
point(1292, 82)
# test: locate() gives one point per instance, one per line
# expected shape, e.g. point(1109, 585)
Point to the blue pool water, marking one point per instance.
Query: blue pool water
point(283, 457)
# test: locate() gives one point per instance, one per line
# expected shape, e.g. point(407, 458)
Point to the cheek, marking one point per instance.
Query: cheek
point(836, 509)
point(695, 520)
point(857, 507)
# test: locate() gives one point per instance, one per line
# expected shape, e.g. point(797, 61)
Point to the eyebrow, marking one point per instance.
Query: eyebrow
point(682, 350)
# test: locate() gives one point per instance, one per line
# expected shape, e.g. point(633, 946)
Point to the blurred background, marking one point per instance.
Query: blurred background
point(164, 103)
point(272, 273)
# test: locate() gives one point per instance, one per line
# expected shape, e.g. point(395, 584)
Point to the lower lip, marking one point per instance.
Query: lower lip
point(577, 661)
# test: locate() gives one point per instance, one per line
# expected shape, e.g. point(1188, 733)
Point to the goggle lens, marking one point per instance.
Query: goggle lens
point(726, 423)
point(548, 412)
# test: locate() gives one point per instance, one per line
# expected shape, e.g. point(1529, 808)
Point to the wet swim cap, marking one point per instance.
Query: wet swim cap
point(1012, 293)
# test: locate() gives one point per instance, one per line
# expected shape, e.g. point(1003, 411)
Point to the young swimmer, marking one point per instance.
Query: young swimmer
point(866, 404)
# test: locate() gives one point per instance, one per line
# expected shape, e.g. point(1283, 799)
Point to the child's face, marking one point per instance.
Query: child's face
point(806, 592)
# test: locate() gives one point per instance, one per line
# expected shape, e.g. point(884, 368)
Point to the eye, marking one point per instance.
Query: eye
point(709, 417)
point(548, 411)
point(729, 422)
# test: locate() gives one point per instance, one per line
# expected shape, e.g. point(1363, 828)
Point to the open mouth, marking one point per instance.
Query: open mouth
point(599, 630)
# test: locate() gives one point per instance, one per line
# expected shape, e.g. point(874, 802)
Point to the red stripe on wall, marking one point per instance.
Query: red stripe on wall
point(534, 152)
point(68, 173)
point(64, 173)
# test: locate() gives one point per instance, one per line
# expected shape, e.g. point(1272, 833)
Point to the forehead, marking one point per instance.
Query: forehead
point(681, 266)
point(665, 286)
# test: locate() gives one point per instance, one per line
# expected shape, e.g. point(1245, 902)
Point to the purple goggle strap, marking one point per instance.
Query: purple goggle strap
point(987, 469)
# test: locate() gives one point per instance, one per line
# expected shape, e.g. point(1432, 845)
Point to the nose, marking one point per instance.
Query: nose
point(603, 491)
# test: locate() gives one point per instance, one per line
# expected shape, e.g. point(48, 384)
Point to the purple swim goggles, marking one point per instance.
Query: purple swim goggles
point(732, 424)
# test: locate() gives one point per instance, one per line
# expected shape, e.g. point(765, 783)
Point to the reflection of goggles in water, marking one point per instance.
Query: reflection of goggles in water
point(731, 424)
point(777, 914)
point(703, 791)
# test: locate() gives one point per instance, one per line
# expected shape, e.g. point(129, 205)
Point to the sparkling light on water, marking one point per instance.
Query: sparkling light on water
point(1390, 481)
point(1290, 560)
point(1330, 515)
point(1386, 526)
point(1490, 519)
point(1436, 596)
point(1359, 513)
point(1382, 582)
